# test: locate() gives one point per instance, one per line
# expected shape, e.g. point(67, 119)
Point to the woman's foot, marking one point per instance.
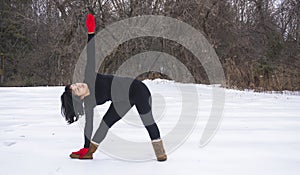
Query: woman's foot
point(81, 153)
point(159, 150)
point(93, 146)
point(85, 153)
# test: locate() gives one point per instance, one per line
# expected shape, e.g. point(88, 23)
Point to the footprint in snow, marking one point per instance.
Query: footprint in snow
point(8, 144)
point(9, 130)
point(24, 124)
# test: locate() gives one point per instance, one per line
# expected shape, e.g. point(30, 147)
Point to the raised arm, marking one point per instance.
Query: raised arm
point(89, 101)
point(90, 78)
point(90, 72)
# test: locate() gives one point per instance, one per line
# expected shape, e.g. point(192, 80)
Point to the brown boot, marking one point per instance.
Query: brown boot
point(88, 155)
point(159, 150)
point(93, 147)
point(74, 156)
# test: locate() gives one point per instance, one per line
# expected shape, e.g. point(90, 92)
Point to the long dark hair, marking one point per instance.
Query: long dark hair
point(71, 106)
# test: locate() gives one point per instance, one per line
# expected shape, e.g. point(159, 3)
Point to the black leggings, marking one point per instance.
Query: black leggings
point(141, 98)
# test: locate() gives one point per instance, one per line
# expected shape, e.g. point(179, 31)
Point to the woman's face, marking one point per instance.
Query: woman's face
point(80, 89)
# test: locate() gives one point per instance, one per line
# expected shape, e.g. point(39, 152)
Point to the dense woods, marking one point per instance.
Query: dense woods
point(257, 41)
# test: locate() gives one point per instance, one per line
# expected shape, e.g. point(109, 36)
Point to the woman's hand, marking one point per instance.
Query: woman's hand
point(90, 23)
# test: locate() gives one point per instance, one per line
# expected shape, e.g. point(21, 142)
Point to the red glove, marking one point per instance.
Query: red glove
point(82, 152)
point(90, 23)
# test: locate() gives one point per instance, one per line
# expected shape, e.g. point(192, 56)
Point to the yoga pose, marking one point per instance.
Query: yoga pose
point(97, 89)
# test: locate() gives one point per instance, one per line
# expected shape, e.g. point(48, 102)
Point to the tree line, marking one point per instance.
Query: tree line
point(257, 41)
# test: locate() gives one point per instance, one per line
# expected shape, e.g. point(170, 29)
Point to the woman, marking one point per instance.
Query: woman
point(98, 89)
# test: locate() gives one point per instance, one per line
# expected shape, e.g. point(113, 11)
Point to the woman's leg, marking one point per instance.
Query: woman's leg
point(115, 112)
point(143, 102)
point(148, 120)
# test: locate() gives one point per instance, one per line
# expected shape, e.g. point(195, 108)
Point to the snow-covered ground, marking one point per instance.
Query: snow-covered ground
point(259, 134)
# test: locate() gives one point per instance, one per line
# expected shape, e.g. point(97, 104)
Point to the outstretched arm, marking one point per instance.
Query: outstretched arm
point(90, 78)
point(90, 72)
point(89, 101)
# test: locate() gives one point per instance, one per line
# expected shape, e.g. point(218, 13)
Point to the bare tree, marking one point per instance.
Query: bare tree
point(257, 41)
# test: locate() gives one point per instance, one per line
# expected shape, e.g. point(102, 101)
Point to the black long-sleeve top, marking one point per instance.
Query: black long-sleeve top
point(122, 88)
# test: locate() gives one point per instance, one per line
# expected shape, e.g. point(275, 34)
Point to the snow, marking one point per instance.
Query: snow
point(259, 134)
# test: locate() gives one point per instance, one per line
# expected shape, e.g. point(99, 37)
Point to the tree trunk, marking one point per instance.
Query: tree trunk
point(298, 23)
